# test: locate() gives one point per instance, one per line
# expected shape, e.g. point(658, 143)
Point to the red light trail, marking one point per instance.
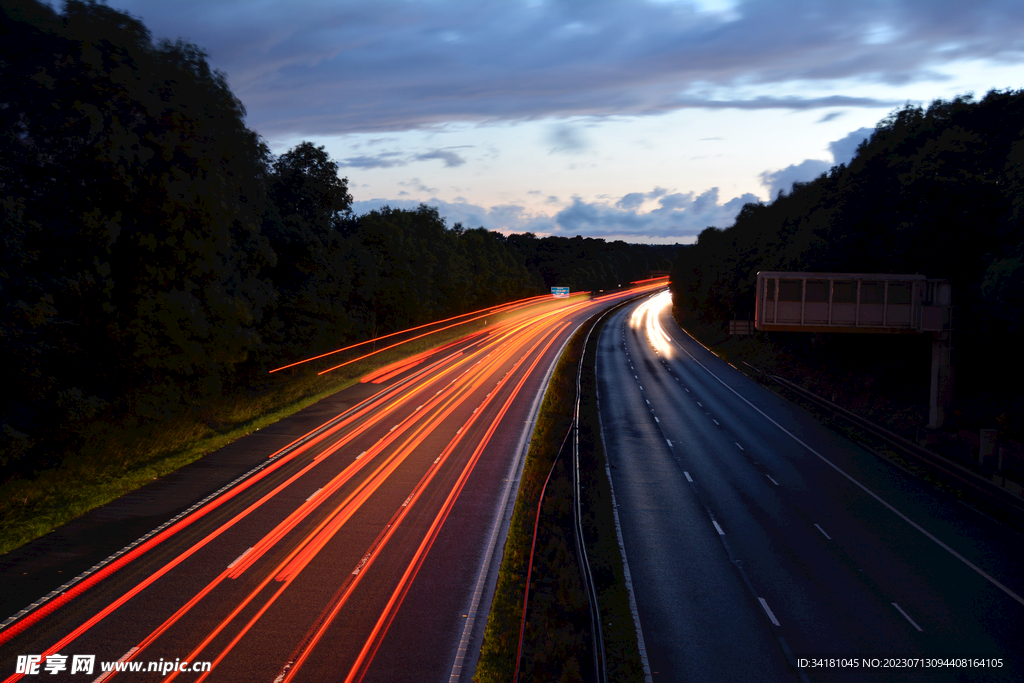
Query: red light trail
point(399, 462)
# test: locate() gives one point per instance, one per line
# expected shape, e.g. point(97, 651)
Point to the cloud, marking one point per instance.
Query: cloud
point(383, 160)
point(315, 67)
point(393, 159)
point(631, 200)
point(843, 150)
point(678, 217)
point(831, 116)
point(449, 158)
point(805, 171)
point(566, 139)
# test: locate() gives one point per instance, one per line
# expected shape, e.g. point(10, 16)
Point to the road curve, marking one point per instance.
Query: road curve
point(757, 539)
point(356, 553)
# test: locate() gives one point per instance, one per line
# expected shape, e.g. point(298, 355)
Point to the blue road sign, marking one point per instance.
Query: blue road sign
point(560, 292)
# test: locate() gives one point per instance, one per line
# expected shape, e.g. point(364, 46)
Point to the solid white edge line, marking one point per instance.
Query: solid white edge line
point(768, 611)
point(499, 528)
point(861, 486)
point(907, 616)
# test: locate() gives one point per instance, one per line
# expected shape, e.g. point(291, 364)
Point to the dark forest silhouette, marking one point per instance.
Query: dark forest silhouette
point(155, 253)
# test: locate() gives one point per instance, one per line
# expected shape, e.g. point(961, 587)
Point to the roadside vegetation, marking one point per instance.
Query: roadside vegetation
point(557, 640)
point(156, 260)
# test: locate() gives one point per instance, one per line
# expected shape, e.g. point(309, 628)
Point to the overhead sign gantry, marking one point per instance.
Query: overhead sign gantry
point(851, 302)
point(871, 303)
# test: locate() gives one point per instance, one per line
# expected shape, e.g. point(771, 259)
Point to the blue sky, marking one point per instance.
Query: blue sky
point(643, 120)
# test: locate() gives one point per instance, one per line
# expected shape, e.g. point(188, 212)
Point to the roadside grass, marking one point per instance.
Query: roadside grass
point(122, 456)
point(556, 639)
point(501, 636)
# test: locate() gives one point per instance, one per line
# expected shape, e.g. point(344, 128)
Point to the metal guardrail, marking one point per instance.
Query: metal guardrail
point(987, 490)
point(597, 634)
point(600, 668)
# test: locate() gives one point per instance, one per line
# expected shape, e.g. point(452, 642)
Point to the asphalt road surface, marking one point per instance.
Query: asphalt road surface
point(361, 549)
point(758, 540)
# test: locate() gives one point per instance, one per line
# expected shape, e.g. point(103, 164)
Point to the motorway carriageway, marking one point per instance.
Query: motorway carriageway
point(756, 537)
point(364, 550)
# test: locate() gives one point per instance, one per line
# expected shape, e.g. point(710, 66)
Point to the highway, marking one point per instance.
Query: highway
point(757, 538)
point(364, 550)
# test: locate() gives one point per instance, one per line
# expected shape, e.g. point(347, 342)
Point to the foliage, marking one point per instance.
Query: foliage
point(155, 256)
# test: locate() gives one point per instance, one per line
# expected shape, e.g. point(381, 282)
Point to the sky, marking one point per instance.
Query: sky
point(641, 120)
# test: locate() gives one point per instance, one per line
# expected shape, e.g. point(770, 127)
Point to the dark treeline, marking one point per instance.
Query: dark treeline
point(936, 191)
point(156, 254)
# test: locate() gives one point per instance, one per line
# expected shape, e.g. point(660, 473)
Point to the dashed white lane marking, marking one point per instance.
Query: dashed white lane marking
point(700, 404)
point(739, 446)
point(687, 390)
point(981, 572)
point(823, 532)
point(715, 421)
point(907, 616)
point(768, 611)
point(688, 477)
point(771, 480)
point(107, 674)
point(669, 443)
point(307, 500)
point(648, 402)
point(656, 419)
point(239, 558)
point(720, 532)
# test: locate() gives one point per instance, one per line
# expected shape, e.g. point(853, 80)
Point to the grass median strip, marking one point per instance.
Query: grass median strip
point(556, 643)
